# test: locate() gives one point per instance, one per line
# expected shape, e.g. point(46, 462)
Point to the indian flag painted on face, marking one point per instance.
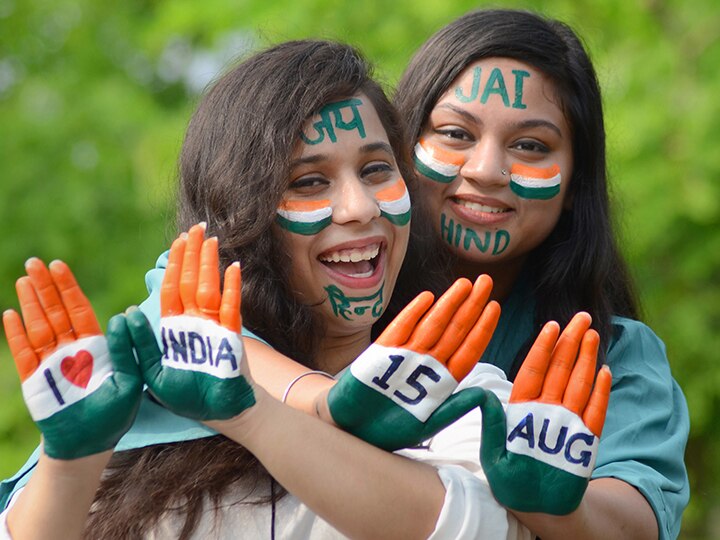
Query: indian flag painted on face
point(394, 203)
point(304, 217)
point(534, 182)
point(437, 163)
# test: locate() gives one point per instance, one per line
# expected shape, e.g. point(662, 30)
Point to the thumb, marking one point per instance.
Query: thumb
point(145, 344)
point(121, 349)
point(494, 430)
point(456, 406)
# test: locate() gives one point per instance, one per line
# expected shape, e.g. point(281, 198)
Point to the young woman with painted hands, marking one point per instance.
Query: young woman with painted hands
point(345, 163)
point(202, 373)
point(504, 112)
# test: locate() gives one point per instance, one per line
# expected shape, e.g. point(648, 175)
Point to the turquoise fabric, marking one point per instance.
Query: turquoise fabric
point(154, 424)
point(646, 430)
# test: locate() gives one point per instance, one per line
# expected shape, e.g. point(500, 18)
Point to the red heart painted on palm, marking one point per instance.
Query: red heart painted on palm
point(78, 369)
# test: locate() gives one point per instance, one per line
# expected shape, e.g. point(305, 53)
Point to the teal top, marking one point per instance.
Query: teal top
point(154, 424)
point(647, 423)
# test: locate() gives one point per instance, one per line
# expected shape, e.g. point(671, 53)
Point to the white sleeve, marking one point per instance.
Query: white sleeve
point(469, 511)
point(4, 531)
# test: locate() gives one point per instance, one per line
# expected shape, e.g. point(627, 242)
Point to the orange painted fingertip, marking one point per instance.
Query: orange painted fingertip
point(34, 263)
point(581, 318)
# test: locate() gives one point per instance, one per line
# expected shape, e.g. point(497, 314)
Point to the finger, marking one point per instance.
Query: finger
point(121, 348)
point(170, 302)
point(230, 316)
point(78, 307)
point(596, 409)
point(463, 320)
point(453, 408)
point(145, 343)
point(37, 328)
point(208, 290)
point(563, 358)
point(25, 358)
point(472, 349)
point(529, 381)
point(494, 431)
point(50, 300)
point(190, 265)
point(399, 330)
point(434, 322)
point(583, 375)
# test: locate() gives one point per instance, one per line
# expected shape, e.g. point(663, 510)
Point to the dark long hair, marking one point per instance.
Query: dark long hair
point(579, 266)
point(234, 169)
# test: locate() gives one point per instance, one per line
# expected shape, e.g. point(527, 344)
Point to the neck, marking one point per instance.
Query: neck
point(504, 275)
point(338, 350)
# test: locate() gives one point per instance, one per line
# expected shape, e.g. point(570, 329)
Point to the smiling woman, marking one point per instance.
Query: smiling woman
point(310, 190)
point(354, 264)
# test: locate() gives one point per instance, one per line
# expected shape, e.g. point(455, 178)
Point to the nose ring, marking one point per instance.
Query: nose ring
point(503, 172)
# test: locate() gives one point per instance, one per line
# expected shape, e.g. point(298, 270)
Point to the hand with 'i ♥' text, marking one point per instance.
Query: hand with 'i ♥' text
point(82, 388)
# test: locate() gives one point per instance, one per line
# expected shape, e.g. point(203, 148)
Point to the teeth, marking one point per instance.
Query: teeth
point(352, 255)
point(481, 207)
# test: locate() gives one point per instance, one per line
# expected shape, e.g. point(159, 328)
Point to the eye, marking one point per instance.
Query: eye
point(377, 171)
point(454, 132)
point(531, 146)
point(308, 185)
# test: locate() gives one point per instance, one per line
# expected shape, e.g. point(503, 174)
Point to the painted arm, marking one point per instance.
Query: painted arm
point(82, 391)
point(322, 466)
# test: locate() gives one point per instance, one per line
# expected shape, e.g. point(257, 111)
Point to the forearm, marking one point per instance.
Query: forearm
point(57, 498)
point(275, 372)
point(610, 508)
point(362, 491)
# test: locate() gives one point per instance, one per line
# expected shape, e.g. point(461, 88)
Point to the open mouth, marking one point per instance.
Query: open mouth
point(354, 263)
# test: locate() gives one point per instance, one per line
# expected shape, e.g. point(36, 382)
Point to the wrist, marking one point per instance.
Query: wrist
point(308, 393)
point(322, 408)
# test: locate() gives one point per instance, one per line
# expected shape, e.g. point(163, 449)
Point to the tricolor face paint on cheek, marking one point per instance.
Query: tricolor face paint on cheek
point(534, 182)
point(437, 163)
point(304, 217)
point(394, 203)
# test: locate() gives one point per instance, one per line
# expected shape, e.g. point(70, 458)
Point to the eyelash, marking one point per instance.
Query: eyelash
point(531, 146)
point(377, 167)
point(308, 182)
point(453, 133)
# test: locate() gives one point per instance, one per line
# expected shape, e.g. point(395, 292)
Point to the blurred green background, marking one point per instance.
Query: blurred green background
point(94, 99)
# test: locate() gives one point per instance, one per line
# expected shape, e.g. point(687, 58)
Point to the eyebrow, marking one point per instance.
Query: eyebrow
point(525, 124)
point(365, 149)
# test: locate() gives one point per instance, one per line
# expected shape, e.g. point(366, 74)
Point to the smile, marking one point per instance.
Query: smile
point(354, 266)
point(357, 263)
point(477, 207)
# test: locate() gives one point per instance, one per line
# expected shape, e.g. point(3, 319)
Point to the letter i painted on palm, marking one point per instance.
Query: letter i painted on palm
point(304, 217)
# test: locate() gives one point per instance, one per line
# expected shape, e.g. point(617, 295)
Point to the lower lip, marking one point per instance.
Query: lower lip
point(360, 283)
point(480, 218)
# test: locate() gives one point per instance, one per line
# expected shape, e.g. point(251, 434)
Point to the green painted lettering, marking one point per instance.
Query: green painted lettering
point(495, 85)
point(455, 235)
point(519, 79)
point(474, 90)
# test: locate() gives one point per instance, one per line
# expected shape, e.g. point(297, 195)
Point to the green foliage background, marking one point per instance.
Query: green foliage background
point(94, 98)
